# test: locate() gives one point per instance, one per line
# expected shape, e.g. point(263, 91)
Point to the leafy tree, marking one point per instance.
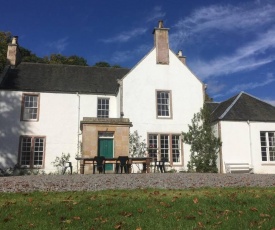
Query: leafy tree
point(204, 145)
point(5, 38)
point(116, 66)
point(60, 59)
point(28, 56)
point(102, 64)
point(137, 147)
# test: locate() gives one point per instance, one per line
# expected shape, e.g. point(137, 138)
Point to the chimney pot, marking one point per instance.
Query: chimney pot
point(160, 24)
point(14, 40)
point(181, 57)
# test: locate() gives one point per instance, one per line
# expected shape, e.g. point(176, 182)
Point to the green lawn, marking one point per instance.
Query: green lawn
point(224, 208)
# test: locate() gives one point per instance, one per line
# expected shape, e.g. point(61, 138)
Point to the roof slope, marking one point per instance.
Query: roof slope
point(243, 107)
point(38, 77)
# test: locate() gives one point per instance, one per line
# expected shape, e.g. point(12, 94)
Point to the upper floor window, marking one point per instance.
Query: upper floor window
point(163, 104)
point(32, 151)
point(30, 107)
point(268, 145)
point(103, 107)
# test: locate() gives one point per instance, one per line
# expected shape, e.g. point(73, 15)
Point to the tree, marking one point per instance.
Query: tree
point(60, 59)
point(5, 38)
point(102, 64)
point(137, 147)
point(204, 145)
point(106, 64)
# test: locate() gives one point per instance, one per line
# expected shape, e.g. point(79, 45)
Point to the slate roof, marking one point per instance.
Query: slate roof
point(212, 106)
point(36, 77)
point(244, 107)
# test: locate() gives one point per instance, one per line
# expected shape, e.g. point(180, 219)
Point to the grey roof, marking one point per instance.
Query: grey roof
point(243, 107)
point(39, 77)
point(211, 106)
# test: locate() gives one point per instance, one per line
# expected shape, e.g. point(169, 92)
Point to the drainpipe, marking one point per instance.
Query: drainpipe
point(78, 127)
point(250, 142)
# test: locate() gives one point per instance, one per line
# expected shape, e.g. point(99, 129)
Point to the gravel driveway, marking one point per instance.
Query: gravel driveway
point(132, 181)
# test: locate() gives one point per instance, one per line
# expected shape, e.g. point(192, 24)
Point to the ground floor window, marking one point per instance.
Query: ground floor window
point(32, 151)
point(268, 145)
point(165, 146)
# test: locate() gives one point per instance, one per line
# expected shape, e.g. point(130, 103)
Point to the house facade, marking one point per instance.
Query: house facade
point(47, 110)
point(246, 127)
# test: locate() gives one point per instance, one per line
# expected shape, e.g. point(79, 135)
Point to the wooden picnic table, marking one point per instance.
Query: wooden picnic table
point(133, 160)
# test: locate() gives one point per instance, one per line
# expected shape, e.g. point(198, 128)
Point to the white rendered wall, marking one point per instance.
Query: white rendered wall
point(59, 118)
point(139, 96)
point(242, 145)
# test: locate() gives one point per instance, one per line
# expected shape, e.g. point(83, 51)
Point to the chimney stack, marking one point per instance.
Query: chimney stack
point(182, 58)
point(13, 53)
point(162, 44)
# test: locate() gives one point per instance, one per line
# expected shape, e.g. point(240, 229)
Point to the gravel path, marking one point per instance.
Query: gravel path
point(132, 181)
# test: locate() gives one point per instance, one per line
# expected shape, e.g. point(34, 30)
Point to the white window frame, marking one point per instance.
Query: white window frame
point(267, 139)
point(32, 150)
point(163, 145)
point(30, 107)
point(103, 109)
point(164, 104)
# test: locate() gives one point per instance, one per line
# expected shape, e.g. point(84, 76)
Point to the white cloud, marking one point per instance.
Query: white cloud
point(245, 58)
point(239, 19)
point(157, 14)
point(126, 36)
point(59, 45)
point(252, 85)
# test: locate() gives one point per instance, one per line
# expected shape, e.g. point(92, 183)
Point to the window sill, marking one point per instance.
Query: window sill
point(268, 163)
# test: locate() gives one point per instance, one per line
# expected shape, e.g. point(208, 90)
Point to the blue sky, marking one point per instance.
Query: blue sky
point(229, 44)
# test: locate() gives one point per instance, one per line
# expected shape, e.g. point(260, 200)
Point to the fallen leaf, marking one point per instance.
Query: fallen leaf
point(138, 228)
point(265, 215)
point(195, 200)
point(254, 209)
point(190, 217)
point(140, 210)
point(76, 218)
point(200, 224)
point(118, 225)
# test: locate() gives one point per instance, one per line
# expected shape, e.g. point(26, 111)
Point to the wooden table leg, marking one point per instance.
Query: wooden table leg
point(82, 166)
point(148, 165)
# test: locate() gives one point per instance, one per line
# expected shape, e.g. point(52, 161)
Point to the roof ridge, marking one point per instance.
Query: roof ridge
point(79, 66)
point(232, 104)
point(257, 98)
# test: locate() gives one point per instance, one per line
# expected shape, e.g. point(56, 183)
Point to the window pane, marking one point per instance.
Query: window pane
point(153, 146)
point(25, 151)
point(30, 107)
point(176, 148)
point(38, 152)
point(267, 146)
point(164, 150)
point(163, 103)
point(103, 107)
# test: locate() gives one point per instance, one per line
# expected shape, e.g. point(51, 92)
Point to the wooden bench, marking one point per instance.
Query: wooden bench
point(238, 168)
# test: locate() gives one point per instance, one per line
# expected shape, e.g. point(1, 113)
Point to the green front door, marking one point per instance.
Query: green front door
point(106, 149)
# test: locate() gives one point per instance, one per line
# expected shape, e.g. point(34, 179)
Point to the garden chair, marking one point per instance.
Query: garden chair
point(123, 162)
point(160, 165)
point(66, 165)
point(99, 164)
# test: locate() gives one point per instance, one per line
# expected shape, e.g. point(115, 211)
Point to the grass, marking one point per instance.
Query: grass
point(224, 208)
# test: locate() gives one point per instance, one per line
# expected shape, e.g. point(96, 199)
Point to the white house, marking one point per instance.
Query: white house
point(47, 110)
point(246, 126)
